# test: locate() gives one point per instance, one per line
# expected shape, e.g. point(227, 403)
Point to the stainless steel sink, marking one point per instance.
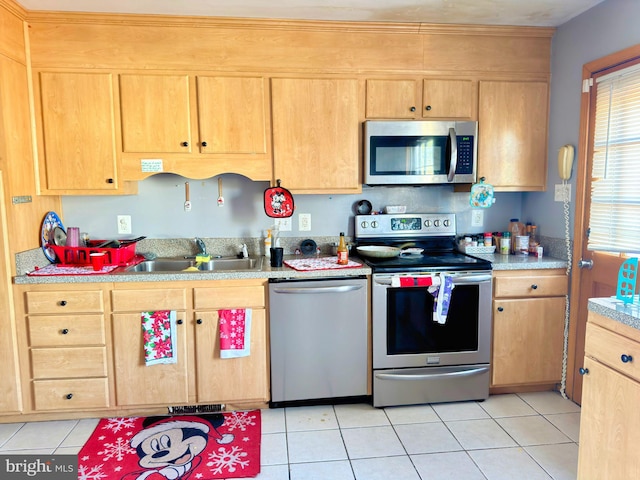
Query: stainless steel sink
point(177, 265)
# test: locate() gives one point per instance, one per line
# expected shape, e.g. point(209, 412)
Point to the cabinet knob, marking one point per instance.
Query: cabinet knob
point(427, 108)
point(199, 321)
point(534, 287)
point(583, 371)
point(626, 358)
point(65, 331)
point(500, 309)
point(185, 144)
point(69, 396)
point(204, 144)
point(413, 109)
point(62, 303)
point(179, 322)
point(109, 180)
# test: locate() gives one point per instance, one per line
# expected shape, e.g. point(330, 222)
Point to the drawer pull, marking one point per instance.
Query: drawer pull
point(179, 322)
point(62, 303)
point(65, 331)
point(583, 371)
point(534, 287)
point(69, 396)
point(500, 309)
point(626, 358)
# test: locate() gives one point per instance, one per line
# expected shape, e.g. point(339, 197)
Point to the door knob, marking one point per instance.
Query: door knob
point(588, 264)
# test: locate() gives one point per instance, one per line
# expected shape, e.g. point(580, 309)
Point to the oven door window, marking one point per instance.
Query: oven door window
point(411, 328)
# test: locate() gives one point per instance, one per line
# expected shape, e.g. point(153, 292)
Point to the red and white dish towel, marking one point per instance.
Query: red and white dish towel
point(318, 263)
point(439, 285)
point(158, 333)
point(235, 332)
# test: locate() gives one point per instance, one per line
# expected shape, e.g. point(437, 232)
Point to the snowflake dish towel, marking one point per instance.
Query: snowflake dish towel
point(158, 332)
point(442, 298)
point(235, 329)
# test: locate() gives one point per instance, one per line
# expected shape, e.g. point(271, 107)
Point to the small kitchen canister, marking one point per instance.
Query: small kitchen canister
point(522, 245)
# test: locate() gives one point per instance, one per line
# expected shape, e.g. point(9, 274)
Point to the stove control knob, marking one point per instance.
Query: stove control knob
point(446, 223)
point(364, 224)
point(427, 223)
point(436, 223)
point(374, 224)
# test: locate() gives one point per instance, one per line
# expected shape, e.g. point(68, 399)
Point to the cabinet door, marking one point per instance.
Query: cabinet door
point(609, 437)
point(155, 113)
point(448, 99)
point(77, 131)
point(391, 99)
point(138, 384)
point(527, 341)
point(232, 115)
point(230, 379)
point(512, 145)
point(316, 135)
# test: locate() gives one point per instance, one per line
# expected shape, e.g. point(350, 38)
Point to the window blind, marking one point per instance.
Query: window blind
point(614, 223)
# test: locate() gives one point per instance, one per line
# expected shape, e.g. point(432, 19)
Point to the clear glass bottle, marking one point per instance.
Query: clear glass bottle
point(343, 251)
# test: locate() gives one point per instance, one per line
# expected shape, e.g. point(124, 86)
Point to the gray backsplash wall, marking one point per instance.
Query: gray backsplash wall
point(157, 211)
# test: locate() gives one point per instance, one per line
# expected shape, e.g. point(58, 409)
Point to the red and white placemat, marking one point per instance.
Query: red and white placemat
point(54, 269)
point(319, 263)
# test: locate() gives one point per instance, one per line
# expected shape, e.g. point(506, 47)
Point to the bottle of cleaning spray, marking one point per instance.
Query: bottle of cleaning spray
point(267, 244)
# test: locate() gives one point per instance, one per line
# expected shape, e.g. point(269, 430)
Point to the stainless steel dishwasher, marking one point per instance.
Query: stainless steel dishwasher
point(318, 331)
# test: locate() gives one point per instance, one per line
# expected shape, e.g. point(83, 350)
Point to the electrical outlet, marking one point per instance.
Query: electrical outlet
point(477, 218)
point(562, 191)
point(304, 222)
point(283, 224)
point(124, 224)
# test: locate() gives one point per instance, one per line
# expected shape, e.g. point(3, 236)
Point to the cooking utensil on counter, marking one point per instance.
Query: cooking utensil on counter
point(119, 243)
point(187, 201)
point(220, 197)
point(363, 207)
point(59, 237)
point(375, 251)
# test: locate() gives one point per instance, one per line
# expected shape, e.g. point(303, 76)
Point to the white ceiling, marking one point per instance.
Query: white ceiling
point(547, 13)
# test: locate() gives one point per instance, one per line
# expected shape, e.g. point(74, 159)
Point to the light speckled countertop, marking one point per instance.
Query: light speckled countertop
point(265, 272)
point(521, 262)
point(615, 309)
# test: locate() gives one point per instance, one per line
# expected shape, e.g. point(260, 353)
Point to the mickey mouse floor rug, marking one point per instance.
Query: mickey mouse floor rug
point(196, 447)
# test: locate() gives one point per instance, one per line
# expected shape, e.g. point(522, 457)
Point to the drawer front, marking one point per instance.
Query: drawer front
point(69, 362)
point(530, 286)
point(71, 394)
point(64, 302)
point(229, 297)
point(60, 331)
point(608, 347)
point(149, 300)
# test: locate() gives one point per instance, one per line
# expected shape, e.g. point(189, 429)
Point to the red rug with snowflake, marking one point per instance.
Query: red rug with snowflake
point(196, 447)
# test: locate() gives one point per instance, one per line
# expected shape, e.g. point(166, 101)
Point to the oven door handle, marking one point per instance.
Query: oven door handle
point(462, 279)
point(426, 376)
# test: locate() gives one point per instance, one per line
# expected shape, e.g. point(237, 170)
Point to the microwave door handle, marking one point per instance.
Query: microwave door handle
point(453, 160)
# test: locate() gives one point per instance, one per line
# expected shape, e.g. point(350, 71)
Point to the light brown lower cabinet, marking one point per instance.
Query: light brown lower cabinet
point(610, 417)
point(81, 351)
point(528, 329)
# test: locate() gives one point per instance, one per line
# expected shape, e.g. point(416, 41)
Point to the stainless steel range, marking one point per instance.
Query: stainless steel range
point(431, 312)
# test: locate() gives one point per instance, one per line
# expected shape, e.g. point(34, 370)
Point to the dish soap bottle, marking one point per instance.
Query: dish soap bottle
point(267, 245)
point(343, 252)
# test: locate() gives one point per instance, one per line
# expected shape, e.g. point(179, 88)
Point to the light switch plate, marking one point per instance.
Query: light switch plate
point(304, 222)
point(283, 224)
point(477, 218)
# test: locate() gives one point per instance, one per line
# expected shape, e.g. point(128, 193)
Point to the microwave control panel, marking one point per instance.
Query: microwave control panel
point(465, 154)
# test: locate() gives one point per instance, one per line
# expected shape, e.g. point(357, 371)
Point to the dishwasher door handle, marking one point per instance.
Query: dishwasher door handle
point(314, 290)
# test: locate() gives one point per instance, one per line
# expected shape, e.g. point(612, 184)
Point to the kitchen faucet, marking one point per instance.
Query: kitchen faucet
point(201, 246)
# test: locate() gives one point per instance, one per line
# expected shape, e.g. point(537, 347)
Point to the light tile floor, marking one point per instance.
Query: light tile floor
point(529, 436)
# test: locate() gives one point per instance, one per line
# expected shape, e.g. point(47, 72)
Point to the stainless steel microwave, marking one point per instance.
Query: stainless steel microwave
point(419, 152)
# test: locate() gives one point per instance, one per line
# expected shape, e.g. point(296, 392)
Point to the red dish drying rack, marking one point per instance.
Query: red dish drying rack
point(78, 256)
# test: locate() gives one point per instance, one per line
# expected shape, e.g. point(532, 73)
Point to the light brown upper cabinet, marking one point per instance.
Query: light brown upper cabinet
point(316, 134)
point(512, 129)
point(77, 133)
point(199, 126)
point(403, 99)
